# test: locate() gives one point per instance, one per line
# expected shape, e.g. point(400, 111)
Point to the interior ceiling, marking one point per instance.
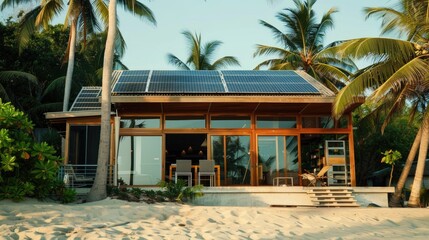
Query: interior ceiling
point(228, 108)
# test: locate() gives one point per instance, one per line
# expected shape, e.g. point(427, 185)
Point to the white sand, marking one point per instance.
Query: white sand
point(115, 219)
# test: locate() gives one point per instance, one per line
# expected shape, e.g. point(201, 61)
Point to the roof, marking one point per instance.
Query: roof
point(171, 91)
point(220, 83)
point(87, 100)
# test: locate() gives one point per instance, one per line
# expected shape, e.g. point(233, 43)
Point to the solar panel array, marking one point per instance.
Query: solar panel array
point(211, 82)
point(87, 99)
point(131, 82)
point(267, 82)
point(185, 82)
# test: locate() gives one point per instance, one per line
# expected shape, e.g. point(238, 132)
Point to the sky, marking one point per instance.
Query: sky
point(234, 22)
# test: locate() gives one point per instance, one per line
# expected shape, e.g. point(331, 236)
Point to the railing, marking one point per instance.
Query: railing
point(82, 176)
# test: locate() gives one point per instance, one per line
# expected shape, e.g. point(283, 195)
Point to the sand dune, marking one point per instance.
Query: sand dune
point(115, 219)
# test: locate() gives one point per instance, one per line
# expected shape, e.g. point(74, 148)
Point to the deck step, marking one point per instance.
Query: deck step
point(332, 197)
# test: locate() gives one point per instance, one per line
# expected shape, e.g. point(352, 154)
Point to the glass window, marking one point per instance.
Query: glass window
point(140, 159)
point(83, 144)
point(276, 122)
point(230, 122)
point(232, 154)
point(277, 157)
point(185, 122)
point(318, 122)
point(141, 122)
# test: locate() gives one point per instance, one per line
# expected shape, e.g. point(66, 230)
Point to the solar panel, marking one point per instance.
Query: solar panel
point(267, 82)
point(87, 99)
point(186, 82)
point(131, 82)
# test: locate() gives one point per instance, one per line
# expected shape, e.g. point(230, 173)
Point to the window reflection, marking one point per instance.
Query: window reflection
point(140, 159)
point(141, 122)
point(277, 157)
point(185, 122)
point(276, 122)
point(230, 122)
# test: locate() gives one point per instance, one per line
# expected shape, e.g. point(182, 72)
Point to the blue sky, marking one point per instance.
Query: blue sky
point(234, 22)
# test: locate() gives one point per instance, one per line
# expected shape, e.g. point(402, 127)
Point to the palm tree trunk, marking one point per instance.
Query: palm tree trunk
point(395, 201)
point(414, 200)
point(98, 190)
point(70, 66)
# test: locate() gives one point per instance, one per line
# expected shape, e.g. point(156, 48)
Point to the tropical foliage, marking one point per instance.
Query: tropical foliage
point(31, 80)
point(27, 168)
point(83, 17)
point(396, 77)
point(302, 46)
point(201, 56)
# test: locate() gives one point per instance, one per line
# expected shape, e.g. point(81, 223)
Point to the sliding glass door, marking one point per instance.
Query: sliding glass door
point(140, 159)
point(277, 157)
point(232, 154)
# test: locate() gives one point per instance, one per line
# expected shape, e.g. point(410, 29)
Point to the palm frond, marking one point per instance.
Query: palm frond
point(397, 101)
point(12, 3)
point(210, 47)
point(49, 10)
point(282, 66)
point(278, 34)
point(268, 50)
point(27, 27)
point(329, 71)
point(56, 87)
point(412, 71)
point(376, 49)
point(138, 9)
point(177, 62)
point(327, 22)
point(87, 21)
point(103, 10)
point(6, 76)
point(369, 78)
point(224, 62)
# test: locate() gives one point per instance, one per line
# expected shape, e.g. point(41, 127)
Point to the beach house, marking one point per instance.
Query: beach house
point(260, 127)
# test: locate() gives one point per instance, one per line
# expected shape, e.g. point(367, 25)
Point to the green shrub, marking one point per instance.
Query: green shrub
point(16, 190)
point(69, 195)
point(180, 192)
point(27, 168)
point(136, 192)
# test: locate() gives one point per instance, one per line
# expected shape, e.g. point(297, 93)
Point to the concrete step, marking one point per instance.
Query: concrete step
point(338, 205)
point(334, 201)
point(332, 197)
point(330, 194)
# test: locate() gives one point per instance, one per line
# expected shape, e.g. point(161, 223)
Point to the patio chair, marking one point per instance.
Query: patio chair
point(184, 168)
point(207, 169)
point(313, 179)
point(75, 180)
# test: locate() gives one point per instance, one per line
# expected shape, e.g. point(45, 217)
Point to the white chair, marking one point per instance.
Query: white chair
point(184, 168)
point(207, 169)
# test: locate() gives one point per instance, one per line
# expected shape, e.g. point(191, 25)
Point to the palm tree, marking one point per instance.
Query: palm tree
point(302, 46)
point(200, 56)
point(98, 189)
point(398, 74)
point(82, 17)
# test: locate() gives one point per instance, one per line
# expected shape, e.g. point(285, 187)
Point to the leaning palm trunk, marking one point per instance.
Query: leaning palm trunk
point(414, 200)
point(395, 201)
point(70, 66)
point(98, 190)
